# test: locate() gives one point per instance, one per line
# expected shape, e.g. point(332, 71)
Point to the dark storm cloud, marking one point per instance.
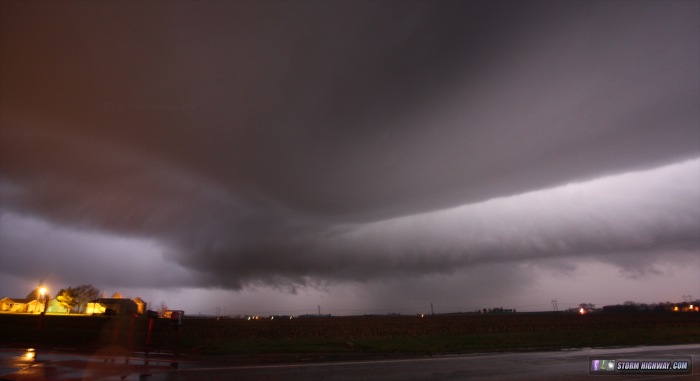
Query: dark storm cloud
point(620, 220)
point(307, 142)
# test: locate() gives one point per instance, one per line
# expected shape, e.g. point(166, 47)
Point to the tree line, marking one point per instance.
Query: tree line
point(631, 306)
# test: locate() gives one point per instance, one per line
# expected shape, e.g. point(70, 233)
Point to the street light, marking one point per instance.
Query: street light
point(42, 293)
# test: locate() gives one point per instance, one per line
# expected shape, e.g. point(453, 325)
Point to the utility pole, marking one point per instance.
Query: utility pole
point(319, 310)
point(554, 304)
point(432, 312)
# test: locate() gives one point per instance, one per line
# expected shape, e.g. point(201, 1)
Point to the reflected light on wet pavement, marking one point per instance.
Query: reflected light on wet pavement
point(105, 364)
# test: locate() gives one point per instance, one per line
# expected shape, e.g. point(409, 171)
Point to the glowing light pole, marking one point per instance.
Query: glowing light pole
point(42, 294)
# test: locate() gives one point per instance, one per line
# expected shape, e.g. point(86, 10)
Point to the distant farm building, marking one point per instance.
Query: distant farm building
point(140, 305)
point(173, 314)
point(114, 306)
point(55, 307)
point(21, 305)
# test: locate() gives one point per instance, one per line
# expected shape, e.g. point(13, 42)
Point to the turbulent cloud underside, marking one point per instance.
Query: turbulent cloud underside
point(291, 144)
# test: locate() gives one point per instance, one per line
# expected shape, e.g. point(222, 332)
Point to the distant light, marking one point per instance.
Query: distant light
point(30, 354)
point(582, 311)
point(675, 308)
point(290, 318)
point(272, 318)
point(691, 306)
point(422, 315)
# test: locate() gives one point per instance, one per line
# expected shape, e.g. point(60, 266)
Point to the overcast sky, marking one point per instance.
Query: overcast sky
point(274, 156)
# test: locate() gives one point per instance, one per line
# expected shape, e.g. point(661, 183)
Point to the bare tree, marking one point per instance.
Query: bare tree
point(162, 308)
point(84, 294)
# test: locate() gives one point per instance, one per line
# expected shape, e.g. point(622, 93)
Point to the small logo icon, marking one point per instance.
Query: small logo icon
point(603, 365)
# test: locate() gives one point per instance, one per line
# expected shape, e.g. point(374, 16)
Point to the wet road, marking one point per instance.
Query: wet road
point(569, 365)
point(105, 364)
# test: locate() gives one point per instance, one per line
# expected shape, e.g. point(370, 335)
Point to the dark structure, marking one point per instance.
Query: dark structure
point(118, 306)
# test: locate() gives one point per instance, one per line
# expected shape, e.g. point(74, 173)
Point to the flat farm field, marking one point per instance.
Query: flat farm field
point(439, 334)
point(394, 335)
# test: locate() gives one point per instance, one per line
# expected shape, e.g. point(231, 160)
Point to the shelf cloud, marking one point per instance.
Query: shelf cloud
point(311, 145)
